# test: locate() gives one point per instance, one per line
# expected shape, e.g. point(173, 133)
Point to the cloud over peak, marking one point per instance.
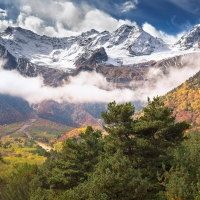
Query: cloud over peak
point(61, 19)
point(170, 39)
point(128, 5)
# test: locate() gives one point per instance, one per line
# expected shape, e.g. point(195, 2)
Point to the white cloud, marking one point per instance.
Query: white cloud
point(86, 87)
point(5, 23)
point(160, 34)
point(166, 83)
point(58, 31)
point(100, 21)
point(128, 5)
point(30, 22)
point(3, 13)
point(26, 8)
point(61, 19)
point(93, 87)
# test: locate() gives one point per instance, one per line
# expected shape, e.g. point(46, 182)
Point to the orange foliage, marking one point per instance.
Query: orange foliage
point(185, 100)
point(75, 132)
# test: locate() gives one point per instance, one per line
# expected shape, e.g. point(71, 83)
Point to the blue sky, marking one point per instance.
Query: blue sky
point(168, 19)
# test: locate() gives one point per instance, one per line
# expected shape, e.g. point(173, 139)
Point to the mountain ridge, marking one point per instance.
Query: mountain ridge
point(91, 50)
point(55, 52)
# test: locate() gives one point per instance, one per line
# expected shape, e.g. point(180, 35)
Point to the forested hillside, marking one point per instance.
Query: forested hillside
point(138, 158)
point(185, 100)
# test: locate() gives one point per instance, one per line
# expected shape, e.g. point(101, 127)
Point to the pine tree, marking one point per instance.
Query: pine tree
point(119, 126)
point(155, 132)
point(146, 140)
point(77, 159)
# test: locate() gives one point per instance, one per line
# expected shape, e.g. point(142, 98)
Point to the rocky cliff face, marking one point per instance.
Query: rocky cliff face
point(92, 58)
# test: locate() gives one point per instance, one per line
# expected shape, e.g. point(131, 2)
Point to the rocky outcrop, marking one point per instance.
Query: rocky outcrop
point(91, 59)
point(8, 61)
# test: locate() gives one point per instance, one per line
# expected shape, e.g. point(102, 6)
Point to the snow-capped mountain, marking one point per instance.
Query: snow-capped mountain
point(120, 56)
point(190, 40)
point(119, 46)
point(135, 40)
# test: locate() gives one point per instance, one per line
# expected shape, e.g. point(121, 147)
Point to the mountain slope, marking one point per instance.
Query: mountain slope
point(13, 109)
point(185, 100)
point(71, 114)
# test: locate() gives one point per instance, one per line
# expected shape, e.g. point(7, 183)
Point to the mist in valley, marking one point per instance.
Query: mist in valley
point(93, 87)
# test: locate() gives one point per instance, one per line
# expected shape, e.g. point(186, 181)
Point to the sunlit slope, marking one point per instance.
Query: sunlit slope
point(185, 100)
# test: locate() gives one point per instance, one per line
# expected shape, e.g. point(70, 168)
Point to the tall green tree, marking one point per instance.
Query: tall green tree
point(119, 126)
point(145, 140)
point(157, 131)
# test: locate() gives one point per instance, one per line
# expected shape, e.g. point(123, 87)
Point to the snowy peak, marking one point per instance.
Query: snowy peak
point(136, 41)
point(189, 40)
point(120, 35)
point(89, 33)
point(141, 43)
point(18, 32)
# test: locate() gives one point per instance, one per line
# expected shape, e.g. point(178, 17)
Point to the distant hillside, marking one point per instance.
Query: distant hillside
point(13, 109)
point(74, 115)
point(185, 100)
point(46, 131)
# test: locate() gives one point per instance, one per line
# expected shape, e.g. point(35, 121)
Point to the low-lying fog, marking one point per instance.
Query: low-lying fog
point(91, 87)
